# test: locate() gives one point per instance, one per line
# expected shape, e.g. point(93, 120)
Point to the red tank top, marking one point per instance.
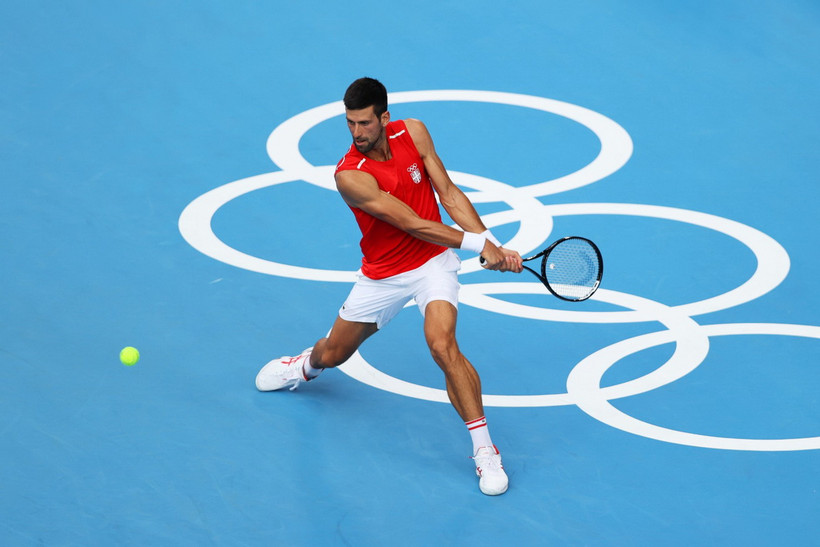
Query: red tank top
point(387, 250)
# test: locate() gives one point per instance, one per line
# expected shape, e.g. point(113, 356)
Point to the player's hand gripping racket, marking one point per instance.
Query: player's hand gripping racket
point(571, 268)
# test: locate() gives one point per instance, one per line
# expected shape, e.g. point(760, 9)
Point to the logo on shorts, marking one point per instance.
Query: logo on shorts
point(415, 174)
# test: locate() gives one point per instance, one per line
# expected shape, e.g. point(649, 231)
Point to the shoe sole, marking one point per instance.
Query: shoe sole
point(493, 492)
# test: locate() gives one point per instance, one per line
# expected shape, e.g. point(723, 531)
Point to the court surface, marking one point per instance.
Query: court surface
point(167, 184)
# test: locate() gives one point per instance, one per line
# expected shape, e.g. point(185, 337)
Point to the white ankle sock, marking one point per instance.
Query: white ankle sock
point(479, 432)
point(310, 372)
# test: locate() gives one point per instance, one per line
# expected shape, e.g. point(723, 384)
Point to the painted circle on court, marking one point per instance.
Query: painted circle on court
point(585, 379)
point(772, 265)
point(691, 348)
point(616, 145)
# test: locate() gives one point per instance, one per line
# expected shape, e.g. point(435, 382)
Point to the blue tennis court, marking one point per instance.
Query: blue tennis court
point(168, 184)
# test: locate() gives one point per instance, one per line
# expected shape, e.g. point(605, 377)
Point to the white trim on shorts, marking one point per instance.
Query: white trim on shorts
point(380, 300)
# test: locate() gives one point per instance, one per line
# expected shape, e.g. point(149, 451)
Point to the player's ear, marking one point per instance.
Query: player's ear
point(385, 119)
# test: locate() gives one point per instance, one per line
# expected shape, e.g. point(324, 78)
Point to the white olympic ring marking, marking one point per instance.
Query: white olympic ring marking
point(585, 379)
point(773, 264)
point(616, 146)
point(583, 385)
point(195, 226)
point(691, 349)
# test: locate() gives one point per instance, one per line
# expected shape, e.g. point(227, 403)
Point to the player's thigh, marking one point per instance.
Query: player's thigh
point(440, 329)
point(438, 280)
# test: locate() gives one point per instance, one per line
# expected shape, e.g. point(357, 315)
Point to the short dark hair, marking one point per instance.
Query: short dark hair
point(366, 92)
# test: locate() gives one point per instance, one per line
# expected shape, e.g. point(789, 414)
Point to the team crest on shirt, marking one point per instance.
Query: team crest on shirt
point(415, 174)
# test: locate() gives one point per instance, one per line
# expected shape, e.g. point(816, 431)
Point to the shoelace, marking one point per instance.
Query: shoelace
point(292, 371)
point(487, 459)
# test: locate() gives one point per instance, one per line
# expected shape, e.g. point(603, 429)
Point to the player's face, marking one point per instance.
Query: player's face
point(366, 128)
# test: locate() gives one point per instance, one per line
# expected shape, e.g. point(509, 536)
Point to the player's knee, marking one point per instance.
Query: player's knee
point(444, 351)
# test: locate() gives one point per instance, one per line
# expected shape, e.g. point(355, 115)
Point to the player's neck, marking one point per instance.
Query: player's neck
point(380, 152)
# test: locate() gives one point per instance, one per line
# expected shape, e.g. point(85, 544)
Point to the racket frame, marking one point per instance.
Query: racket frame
point(544, 278)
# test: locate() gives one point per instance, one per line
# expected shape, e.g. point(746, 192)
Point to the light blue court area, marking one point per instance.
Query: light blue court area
point(167, 184)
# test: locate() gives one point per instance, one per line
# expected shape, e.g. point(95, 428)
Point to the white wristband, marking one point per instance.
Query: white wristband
point(473, 242)
point(489, 235)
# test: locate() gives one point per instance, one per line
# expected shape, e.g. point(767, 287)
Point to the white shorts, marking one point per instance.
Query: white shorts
point(380, 300)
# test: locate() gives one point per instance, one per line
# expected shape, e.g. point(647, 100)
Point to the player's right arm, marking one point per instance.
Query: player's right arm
point(453, 199)
point(360, 190)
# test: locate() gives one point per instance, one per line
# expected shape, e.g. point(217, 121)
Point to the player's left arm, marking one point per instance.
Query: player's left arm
point(453, 200)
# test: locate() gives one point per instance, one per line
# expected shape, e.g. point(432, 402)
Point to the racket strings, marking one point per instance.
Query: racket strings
point(572, 269)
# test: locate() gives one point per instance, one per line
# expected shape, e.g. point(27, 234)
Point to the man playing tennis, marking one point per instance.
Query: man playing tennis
point(389, 178)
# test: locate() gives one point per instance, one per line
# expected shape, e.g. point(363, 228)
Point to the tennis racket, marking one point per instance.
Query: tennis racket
point(571, 268)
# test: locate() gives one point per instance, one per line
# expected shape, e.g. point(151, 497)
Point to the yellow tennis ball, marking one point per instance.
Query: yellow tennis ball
point(129, 356)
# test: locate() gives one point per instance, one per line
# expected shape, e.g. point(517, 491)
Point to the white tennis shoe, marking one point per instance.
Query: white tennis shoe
point(283, 372)
point(493, 480)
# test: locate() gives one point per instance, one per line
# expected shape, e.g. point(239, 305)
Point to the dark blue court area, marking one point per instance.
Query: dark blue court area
point(167, 175)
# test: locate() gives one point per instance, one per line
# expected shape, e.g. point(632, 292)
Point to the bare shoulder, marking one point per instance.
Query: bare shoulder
point(420, 135)
point(416, 128)
point(353, 178)
point(355, 186)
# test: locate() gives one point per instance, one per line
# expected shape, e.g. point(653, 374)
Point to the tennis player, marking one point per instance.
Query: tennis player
point(389, 178)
